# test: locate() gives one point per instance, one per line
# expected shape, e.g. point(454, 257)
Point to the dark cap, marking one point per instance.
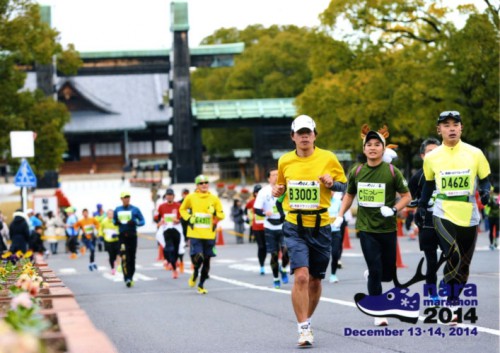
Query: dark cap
point(169, 192)
point(373, 135)
point(257, 188)
point(453, 114)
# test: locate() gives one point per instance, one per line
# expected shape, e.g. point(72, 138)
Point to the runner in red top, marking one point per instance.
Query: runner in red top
point(257, 229)
point(170, 232)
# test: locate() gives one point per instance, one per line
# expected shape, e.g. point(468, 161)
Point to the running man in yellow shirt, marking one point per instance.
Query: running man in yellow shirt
point(456, 170)
point(202, 210)
point(308, 175)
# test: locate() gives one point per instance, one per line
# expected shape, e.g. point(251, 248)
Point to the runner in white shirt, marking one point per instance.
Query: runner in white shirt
point(265, 205)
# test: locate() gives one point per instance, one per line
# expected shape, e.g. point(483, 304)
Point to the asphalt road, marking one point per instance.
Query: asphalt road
point(243, 313)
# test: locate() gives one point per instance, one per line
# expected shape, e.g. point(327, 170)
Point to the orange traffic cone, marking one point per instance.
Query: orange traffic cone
point(220, 237)
point(160, 253)
point(346, 243)
point(399, 260)
point(399, 223)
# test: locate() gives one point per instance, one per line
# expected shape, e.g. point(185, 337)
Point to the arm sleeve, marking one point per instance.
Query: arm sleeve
point(140, 217)
point(427, 191)
point(260, 211)
point(338, 186)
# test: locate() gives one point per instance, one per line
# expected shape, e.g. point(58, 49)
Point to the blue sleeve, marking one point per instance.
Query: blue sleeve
point(139, 219)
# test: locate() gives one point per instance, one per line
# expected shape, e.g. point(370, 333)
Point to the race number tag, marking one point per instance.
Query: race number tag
point(124, 216)
point(371, 194)
point(303, 194)
point(455, 182)
point(202, 220)
point(168, 219)
point(259, 219)
point(88, 229)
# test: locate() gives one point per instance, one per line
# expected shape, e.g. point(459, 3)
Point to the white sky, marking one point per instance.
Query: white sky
point(111, 25)
point(107, 25)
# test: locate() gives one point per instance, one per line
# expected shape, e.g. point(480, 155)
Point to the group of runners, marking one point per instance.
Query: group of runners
point(291, 217)
point(292, 221)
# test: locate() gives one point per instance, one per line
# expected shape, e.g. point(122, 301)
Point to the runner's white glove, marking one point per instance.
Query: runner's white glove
point(337, 222)
point(386, 211)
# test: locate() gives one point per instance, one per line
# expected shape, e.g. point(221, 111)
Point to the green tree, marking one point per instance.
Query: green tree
point(24, 41)
point(408, 76)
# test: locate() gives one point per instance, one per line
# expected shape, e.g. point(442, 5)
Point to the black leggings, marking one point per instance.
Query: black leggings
point(336, 250)
point(171, 250)
point(379, 250)
point(260, 238)
point(458, 245)
point(128, 250)
point(202, 262)
point(113, 249)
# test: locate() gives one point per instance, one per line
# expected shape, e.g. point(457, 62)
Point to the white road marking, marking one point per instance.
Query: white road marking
point(67, 271)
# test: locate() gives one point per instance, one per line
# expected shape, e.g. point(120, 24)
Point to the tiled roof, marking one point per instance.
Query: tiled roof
point(125, 102)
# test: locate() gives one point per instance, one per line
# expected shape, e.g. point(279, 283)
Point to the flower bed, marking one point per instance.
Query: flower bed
point(39, 314)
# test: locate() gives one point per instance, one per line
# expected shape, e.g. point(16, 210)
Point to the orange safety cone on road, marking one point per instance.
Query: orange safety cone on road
point(346, 243)
point(399, 260)
point(399, 223)
point(220, 237)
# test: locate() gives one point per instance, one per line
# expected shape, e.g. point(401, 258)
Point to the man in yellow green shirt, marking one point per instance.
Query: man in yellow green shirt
point(202, 210)
point(456, 170)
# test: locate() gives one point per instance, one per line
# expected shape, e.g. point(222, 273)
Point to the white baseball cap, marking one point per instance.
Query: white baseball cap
point(303, 122)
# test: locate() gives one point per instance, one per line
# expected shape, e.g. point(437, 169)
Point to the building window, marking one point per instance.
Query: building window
point(108, 149)
point(163, 146)
point(140, 147)
point(85, 150)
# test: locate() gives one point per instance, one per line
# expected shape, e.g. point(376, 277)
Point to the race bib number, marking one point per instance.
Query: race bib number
point(371, 194)
point(124, 216)
point(110, 234)
point(303, 194)
point(259, 219)
point(88, 229)
point(202, 220)
point(455, 182)
point(168, 218)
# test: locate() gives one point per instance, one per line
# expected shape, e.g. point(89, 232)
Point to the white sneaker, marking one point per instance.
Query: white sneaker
point(333, 279)
point(306, 338)
point(381, 321)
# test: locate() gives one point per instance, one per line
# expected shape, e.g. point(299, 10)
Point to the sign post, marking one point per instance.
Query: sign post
point(22, 145)
point(25, 178)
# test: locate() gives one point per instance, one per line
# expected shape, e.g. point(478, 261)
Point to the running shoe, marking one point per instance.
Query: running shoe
point(165, 265)
point(175, 274)
point(91, 267)
point(381, 321)
point(284, 277)
point(94, 265)
point(113, 271)
point(119, 268)
point(393, 303)
point(262, 271)
point(492, 247)
point(73, 256)
point(181, 267)
point(306, 338)
point(333, 279)
point(83, 249)
point(277, 284)
point(202, 290)
point(339, 265)
point(128, 283)
point(192, 280)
